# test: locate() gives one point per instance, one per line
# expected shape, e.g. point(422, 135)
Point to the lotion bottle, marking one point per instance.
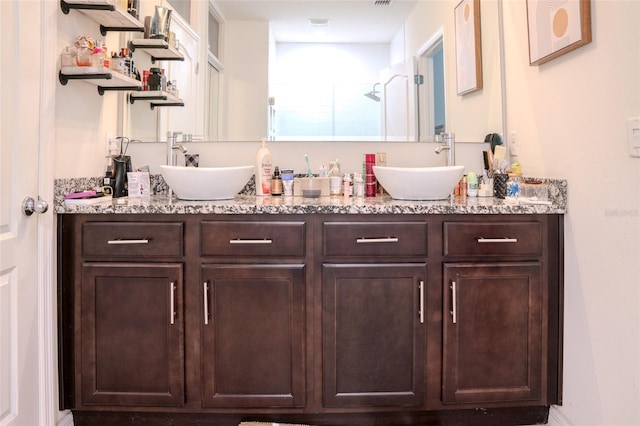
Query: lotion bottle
point(263, 170)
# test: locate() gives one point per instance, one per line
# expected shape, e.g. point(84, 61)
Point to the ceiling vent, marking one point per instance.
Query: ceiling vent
point(317, 22)
point(382, 2)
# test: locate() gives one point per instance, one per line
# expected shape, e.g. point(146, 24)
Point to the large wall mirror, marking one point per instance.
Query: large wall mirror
point(345, 71)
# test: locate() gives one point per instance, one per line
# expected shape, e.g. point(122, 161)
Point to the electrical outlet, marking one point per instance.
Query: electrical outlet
point(513, 143)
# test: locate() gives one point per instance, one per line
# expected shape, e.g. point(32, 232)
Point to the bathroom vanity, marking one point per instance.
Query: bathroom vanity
point(330, 311)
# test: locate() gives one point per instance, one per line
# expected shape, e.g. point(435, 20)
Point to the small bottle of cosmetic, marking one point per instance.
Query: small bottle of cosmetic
point(276, 183)
point(472, 184)
point(347, 185)
point(287, 182)
point(358, 185)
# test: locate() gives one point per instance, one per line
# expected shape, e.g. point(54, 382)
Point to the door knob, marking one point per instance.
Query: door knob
point(29, 206)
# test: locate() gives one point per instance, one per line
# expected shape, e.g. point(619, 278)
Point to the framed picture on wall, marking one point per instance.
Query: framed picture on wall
point(468, 46)
point(557, 27)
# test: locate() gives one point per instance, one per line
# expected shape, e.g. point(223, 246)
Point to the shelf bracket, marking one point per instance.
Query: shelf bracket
point(104, 30)
point(154, 59)
point(66, 7)
point(102, 89)
point(172, 104)
point(132, 99)
point(64, 78)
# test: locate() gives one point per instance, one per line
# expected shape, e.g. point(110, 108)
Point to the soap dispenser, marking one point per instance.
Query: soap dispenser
point(263, 170)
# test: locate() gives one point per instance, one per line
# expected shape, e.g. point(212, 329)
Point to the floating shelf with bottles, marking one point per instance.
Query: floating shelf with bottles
point(156, 98)
point(106, 13)
point(104, 78)
point(158, 49)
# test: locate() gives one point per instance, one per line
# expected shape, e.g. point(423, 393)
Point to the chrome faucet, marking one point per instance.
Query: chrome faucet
point(172, 146)
point(449, 141)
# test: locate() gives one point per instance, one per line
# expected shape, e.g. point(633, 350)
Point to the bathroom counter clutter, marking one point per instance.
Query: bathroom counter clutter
point(250, 204)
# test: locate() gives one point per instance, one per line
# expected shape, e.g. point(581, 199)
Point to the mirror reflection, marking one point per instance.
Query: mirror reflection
point(344, 70)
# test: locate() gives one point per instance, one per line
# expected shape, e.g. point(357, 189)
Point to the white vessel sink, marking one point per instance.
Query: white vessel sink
point(419, 183)
point(206, 183)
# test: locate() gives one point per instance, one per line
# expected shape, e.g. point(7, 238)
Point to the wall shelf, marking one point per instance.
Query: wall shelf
point(158, 49)
point(105, 13)
point(156, 98)
point(104, 78)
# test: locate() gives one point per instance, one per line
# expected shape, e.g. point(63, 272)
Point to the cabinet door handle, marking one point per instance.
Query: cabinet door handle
point(205, 286)
point(454, 309)
point(377, 240)
point(121, 241)
point(172, 303)
point(421, 302)
point(239, 241)
point(497, 240)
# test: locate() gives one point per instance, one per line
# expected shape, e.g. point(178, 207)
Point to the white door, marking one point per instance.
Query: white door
point(21, 123)
point(398, 102)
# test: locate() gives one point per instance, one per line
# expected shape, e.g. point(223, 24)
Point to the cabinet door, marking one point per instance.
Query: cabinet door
point(253, 336)
point(492, 332)
point(373, 334)
point(132, 334)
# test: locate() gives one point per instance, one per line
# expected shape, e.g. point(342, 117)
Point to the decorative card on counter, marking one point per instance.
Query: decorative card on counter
point(139, 184)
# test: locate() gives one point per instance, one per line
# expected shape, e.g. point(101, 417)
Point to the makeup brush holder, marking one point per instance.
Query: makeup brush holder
point(121, 166)
point(500, 185)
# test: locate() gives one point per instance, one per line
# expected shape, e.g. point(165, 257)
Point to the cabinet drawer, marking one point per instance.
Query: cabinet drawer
point(132, 239)
point(492, 239)
point(223, 238)
point(385, 239)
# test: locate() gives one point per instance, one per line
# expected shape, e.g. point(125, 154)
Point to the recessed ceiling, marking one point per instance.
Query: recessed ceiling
point(350, 21)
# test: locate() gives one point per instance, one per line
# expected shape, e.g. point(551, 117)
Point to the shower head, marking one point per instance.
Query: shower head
point(373, 94)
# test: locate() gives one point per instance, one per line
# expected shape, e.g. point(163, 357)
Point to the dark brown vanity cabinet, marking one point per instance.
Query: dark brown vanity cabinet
point(132, 334)
point(498, 279)
point(314, 319)
point(129, 329)
point(373, 336)
point(253, 336)
point(492, 333)
point(373, 320)
point(253, 316)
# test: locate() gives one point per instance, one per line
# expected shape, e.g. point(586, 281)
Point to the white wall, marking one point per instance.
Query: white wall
point(83, 117)
point(570, 116)
point(473, 115)
point(245, 88)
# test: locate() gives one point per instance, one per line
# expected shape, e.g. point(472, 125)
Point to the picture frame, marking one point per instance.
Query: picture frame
point(468, 46)
point(557, 27)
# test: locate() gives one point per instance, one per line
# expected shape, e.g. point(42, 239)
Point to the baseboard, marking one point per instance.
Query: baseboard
point(556, 418)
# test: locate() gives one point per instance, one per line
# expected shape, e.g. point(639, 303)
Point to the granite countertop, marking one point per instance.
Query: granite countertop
point(250, 204)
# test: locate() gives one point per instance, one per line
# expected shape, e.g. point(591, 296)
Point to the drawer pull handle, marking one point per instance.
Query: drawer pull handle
point(206, 302)
point(421, 302)
point(239, 241)
point(172, 303)
point(377, 240)
point(119, 241)
point(497, 240)
point(454, 310)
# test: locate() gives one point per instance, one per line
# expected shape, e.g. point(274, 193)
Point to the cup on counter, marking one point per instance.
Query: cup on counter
point(500, 185)
point(192, 160)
